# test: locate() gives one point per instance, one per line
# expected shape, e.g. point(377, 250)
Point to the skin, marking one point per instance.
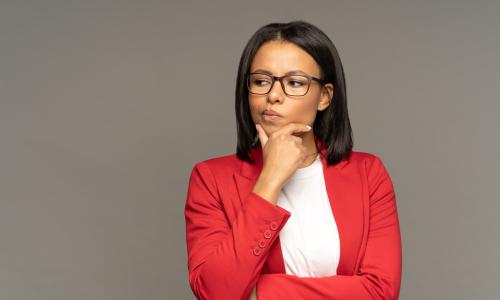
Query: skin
point(291, 145)
point(286, 142)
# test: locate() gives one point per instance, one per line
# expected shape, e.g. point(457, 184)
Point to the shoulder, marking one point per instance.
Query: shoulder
point(209, 174)
point(366, 156)
point(371, 162)
point(372, 166)
point(218, 165)
point(362, 157)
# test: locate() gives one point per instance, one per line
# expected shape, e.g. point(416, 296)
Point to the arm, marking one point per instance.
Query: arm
point(379, 274)
point(225, 259)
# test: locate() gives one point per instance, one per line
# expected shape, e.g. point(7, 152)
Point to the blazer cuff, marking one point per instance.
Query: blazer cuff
point(271, 219)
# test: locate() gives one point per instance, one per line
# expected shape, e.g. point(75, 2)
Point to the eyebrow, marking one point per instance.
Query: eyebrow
point(289, 72)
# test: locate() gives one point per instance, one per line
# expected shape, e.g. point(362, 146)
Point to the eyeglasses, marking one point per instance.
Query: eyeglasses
point(292, 85)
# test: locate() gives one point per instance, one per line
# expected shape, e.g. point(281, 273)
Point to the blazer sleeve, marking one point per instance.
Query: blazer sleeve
point(379, 273)
point(225, 258)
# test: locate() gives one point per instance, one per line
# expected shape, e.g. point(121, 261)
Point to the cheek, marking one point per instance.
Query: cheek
point(305, 111)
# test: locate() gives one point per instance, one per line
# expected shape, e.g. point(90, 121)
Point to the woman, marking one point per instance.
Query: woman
point(294, 213)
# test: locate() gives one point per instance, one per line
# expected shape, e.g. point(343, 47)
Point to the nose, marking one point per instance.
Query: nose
point(276, 93)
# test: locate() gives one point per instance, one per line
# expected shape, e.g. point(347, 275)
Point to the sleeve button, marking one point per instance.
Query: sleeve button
point(262, 243)
point(274, 225)
point(256, 251)
point(267, 234)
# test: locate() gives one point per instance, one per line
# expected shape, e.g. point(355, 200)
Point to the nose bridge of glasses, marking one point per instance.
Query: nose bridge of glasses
point(279, 80)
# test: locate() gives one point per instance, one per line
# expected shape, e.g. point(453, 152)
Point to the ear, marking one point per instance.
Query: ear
point(326, 96)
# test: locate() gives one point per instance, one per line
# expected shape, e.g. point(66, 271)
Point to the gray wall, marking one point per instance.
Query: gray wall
point(105, 106)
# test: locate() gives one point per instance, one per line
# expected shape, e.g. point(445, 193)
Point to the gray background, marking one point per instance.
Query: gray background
point(107, 105)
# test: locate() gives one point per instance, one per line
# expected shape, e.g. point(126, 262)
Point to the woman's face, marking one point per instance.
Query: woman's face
point(279, 58)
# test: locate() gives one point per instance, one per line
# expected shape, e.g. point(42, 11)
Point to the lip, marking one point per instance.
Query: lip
point(270, 117)
point(269, 112)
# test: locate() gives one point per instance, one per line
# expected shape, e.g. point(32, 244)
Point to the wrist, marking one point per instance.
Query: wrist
point(267, 189)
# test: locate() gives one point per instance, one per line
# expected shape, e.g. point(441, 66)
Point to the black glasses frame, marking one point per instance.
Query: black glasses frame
point(280, 79)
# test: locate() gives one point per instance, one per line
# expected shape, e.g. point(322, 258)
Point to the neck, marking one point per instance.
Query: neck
point(311, 149)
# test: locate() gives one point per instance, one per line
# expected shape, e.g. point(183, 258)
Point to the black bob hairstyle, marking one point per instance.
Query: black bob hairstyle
point(331, 126)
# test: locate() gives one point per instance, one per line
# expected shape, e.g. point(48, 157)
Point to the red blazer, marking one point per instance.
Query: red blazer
point(232, 234)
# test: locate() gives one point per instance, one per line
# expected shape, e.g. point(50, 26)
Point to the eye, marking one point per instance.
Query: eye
point(259, 81)
point(296, 83)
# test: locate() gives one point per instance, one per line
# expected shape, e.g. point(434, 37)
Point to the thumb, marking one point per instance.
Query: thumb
point(262, 135)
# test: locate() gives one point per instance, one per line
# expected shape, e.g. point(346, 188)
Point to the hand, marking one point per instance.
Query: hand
point(283, 152)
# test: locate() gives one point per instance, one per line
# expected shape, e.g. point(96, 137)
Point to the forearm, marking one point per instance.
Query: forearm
point(267, 187)
point(226, 262)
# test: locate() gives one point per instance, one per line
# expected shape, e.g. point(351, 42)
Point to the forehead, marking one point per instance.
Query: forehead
point(281, 57)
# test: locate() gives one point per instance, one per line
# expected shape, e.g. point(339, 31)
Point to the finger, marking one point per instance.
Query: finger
point(262, 135)
point(293, 128)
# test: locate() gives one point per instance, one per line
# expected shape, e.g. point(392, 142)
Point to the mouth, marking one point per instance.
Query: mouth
point(271, 116)
point(269, 112)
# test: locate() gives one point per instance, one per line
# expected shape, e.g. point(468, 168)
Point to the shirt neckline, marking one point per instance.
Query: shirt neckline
point(307, 171)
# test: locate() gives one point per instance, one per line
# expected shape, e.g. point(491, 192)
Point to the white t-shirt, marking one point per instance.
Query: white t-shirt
point(309, 240)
